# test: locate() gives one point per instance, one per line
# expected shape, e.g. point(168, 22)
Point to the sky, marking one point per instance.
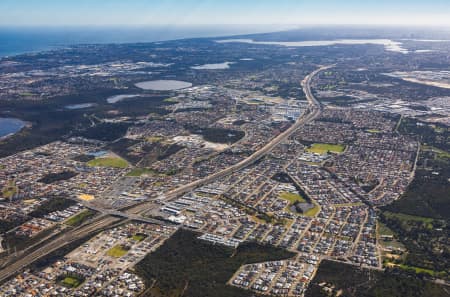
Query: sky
point(216, 12)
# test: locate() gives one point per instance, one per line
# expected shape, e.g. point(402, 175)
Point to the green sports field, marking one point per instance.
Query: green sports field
point(322, 148)
point(117, 251)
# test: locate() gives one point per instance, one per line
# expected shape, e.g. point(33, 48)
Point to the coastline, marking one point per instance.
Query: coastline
point(26, 125)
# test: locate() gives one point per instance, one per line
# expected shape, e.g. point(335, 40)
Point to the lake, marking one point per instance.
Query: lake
point(163, 85)
point(389, 45)
point(10, 126)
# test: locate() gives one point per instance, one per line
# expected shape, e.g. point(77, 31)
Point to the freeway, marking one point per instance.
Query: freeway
point(109, 217)
point(311, 113)
point(68, 237)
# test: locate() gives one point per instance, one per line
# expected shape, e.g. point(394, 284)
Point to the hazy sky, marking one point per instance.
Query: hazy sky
point(191, 12)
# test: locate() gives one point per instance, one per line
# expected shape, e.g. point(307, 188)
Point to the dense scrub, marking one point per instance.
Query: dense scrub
point(352, 281)
point(51, 205)
point(198, 268)
point(54, 177)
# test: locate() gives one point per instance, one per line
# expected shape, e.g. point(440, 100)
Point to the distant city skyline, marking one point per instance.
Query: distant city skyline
point(217, 12)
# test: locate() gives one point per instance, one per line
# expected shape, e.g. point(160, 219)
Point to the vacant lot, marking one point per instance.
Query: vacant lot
point(80, 218)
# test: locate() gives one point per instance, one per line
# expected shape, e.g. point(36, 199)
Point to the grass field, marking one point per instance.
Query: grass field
point(322, 148)
point(71, 282)
point(313, 211)
point(139, 237)
point(405, 217)
point(108, 162)
point(9, 190)
point(419, 269)
point(373, 131)
point(171, 100)
point(441, 154)
point(155, 139)
point(117, 251)
point(291, 197)
point(80, 218)
point(384, 230)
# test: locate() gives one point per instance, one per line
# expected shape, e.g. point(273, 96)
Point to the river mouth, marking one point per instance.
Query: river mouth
point(10, 126)
point(163, 85)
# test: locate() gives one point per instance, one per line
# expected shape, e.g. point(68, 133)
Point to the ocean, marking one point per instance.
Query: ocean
point(19, 40)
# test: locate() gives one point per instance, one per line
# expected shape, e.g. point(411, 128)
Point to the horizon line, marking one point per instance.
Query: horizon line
point(298, 25)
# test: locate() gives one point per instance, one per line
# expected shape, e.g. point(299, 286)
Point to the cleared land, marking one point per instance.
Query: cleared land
point(108, 162)
point(86, 197)
point(322, 148)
